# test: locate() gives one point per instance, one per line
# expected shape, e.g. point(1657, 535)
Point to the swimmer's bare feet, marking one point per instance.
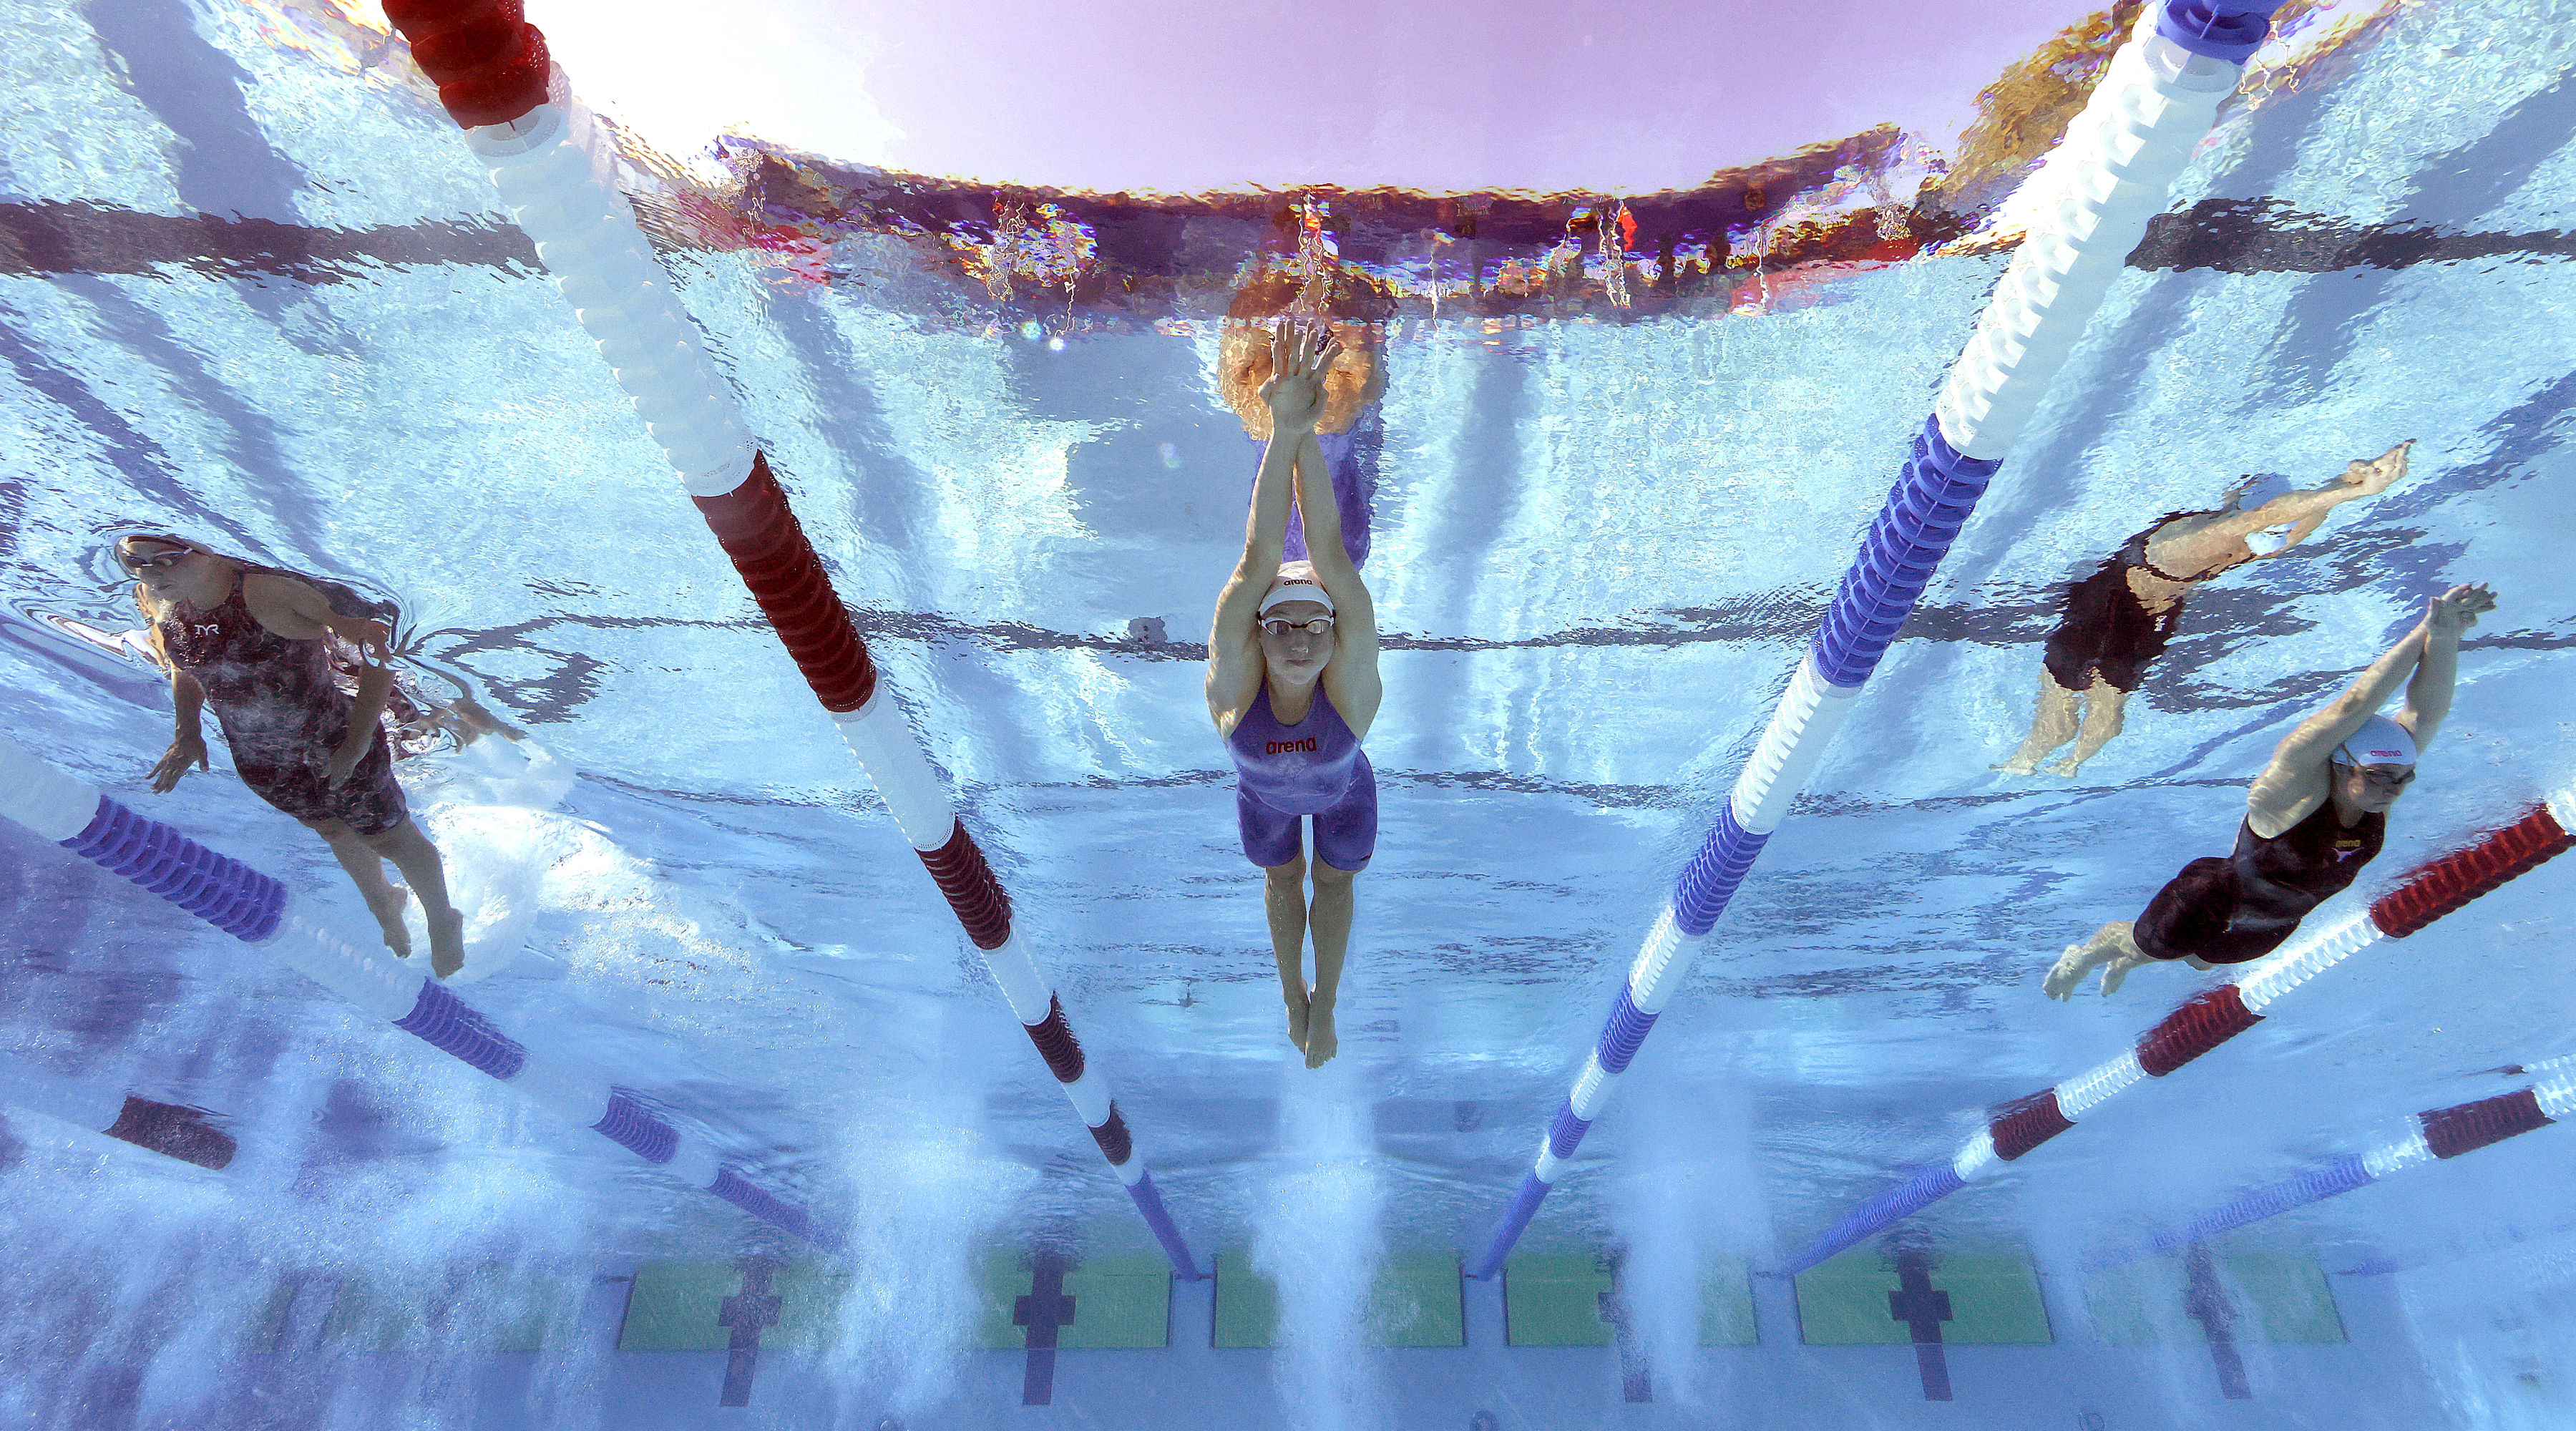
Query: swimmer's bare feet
point(2066, 767)
point(388, 910)
point(446, 942)
point(1321, 1045)
point(1297, 1020)
point(2016, 765)
point(2369, 479)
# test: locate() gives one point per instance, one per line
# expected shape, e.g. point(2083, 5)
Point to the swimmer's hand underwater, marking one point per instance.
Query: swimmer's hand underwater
point(184, 751)
point(2110, 950)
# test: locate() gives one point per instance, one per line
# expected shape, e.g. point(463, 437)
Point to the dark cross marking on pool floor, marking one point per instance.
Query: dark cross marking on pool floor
point(746, 1312)
point(1044, 1311)
point(1636, 1375)
point(1922, 1308)
point(2207, 1303)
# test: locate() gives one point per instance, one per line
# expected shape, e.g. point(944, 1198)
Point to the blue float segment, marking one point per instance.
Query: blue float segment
point(218, 889)
point(2230, 30)
point(447, 1024)
point(2315, 1185)
point(1566, 1133)
point(637, 1129)
point(1710, 879)
point(1515, 1221)
point(1931, 500)
point(1149, 1202)
point(1906, 1199)
point(1627, 1028)
point(761, 1203)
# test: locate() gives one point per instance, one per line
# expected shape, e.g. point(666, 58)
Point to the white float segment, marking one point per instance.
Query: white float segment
point(1810, 712)
point(2095, 1086)
point(1662, 963)
point(2109, 176)
point(1024, 986)
point(2408, 1152)
point(2562, 808)
point(695, 1162)
point(883, 740)
point(367, 977)
point(558, 188)
point(2314, 951)
point(2556, 1096)
point(576, 1094)
point(1592, 1088)
point(1549, 1166)
point(39, 795)
point(1089, 1096)
point(1130, 1172)
point(1977, 1158)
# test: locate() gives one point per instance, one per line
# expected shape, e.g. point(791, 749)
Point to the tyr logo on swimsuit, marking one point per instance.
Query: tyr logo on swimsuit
point(1284, 747)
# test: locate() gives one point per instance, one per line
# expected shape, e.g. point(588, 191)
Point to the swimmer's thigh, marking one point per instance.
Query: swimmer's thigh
point(1346, 835)
point(1270, 837)
point(2189, 915)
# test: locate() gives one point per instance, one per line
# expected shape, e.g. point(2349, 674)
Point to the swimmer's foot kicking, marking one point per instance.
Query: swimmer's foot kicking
point(1292, 685)
point(2313, 818)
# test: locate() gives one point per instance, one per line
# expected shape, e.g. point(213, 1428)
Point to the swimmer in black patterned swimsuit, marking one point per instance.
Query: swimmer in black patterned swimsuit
point(2313, 818)
point(2119, 618)
point(258, 647)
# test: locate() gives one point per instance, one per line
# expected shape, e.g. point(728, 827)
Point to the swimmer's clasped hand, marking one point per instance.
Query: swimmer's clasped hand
point(2458, 609)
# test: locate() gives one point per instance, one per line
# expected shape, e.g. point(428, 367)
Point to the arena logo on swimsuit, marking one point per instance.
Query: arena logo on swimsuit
point(1287, 747)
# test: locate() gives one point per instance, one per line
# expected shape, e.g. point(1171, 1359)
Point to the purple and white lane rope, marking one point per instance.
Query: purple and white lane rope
point(2433, 889)
point(170, 1129)
point(257, 910)
point(2431, 1136)
point(2110, 176)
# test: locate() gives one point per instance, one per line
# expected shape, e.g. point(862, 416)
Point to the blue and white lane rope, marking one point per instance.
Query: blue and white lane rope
point(259, 911)
point(2435, 1135)
point(2106, 180)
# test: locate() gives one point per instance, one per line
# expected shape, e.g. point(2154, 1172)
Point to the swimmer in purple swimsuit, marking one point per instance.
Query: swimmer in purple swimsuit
point(258, 646)
point(2313, 818)
point(1292, 684)
point(2119, 618)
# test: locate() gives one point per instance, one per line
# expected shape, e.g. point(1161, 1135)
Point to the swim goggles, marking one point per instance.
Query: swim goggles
point(166, 557)
point(1281, 626)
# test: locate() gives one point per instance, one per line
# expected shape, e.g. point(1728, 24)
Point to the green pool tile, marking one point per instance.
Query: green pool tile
point(1994, 1301)
point(267, 1325)
point(1726, 1304)
point(2278, 1296)
point(1118, 1302)
point(492, 1307)
point(1414, 1303)
point(1553, 1299)
point(1247, 1306)
point(674, 1306)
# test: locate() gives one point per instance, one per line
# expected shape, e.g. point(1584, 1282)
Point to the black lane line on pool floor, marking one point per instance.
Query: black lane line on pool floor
point(747, 1312)
point(2205, 1302)
point(1922, 1308)
point(1044, 1311)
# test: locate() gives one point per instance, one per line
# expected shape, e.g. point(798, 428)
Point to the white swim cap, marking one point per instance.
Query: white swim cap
point(2268, 540)
point(1296, 591)
point(2380, 741)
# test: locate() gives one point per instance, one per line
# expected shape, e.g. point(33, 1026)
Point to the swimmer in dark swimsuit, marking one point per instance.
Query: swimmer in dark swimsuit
point(2313, 818)
point(2119, 618)
point(1292, 685)
point(258, 647)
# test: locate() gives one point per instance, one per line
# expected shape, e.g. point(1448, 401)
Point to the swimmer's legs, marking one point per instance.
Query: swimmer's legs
point(2104, 705)
point(1283, 898)
point(1331, 919)
point(384, 898)
point(2111, 949)
point(413, 854)
point(2052, 724)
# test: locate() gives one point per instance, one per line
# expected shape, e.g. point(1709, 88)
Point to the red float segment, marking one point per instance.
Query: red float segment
point(2208, 1019)
point(975, 895)
point(1112, 1136)
point(2441, 886)
point(761, 534)
point(490, 64)
point(2031, 1122)
point(1056, 1043)
point(2467, 1127)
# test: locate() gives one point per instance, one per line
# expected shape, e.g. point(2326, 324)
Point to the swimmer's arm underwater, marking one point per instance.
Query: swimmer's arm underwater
point(188, 738)
point(1234, 643)
point(2210, 540)
point(299, 613)
point(1352, 679)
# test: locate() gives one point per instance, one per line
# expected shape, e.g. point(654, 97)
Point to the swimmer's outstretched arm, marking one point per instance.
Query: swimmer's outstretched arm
point(2297, 781)
point(1352, 677)
point(188, 735)
point(1295, 396)
point(2210, 542)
